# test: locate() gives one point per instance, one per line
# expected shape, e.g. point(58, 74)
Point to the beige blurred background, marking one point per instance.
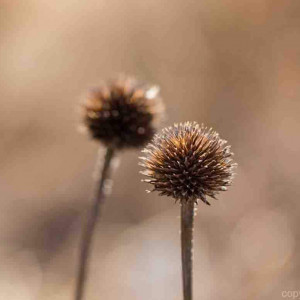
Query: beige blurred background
point(233, 65)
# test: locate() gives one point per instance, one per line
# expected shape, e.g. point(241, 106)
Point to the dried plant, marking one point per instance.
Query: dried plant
point(123, 113)
point(120, 114)
point(188, 162)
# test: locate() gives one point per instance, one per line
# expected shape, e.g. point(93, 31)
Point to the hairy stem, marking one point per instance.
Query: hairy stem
point(187, 224)
point(87, 238)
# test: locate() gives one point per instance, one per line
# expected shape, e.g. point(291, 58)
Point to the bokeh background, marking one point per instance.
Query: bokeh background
point(233, 65)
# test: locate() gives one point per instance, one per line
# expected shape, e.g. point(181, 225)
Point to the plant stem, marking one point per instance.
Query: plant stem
point(187, 224)
point(98, 197)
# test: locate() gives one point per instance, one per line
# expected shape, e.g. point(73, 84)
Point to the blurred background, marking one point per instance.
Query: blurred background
point(233, 65)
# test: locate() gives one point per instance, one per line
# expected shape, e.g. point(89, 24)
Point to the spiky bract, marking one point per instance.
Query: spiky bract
point(188, 162)
point(123, 113)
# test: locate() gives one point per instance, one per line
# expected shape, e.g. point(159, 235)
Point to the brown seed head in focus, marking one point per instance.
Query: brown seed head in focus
point(123, 113)
point(188, 162)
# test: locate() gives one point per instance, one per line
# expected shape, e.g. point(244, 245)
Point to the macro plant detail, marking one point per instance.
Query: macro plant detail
point(188, 162)
point(120, 114)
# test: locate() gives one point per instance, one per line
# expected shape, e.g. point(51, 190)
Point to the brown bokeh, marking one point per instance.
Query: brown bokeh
point(233, 65)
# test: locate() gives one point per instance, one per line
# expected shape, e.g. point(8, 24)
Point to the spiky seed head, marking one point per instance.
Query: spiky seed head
point(122, 112)
point(188, 162)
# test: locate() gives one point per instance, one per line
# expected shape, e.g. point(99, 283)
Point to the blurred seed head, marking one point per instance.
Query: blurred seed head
point(123, 112)
point(188, 162)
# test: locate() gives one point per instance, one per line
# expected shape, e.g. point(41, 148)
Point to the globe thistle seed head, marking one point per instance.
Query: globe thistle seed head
point(188, 162)
point(122, 113)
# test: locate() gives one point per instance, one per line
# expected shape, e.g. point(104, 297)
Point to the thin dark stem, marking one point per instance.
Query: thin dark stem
point(187, 224)
point(88, 233)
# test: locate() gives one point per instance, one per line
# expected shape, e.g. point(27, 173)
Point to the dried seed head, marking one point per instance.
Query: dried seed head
point(123, 113)
point(188, 162)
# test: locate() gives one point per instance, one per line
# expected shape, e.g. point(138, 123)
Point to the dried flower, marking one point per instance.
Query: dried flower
point(188, 162)
point(122, 113)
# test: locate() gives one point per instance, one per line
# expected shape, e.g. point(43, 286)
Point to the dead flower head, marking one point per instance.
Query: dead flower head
point(122, 113)
point(188, 162)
